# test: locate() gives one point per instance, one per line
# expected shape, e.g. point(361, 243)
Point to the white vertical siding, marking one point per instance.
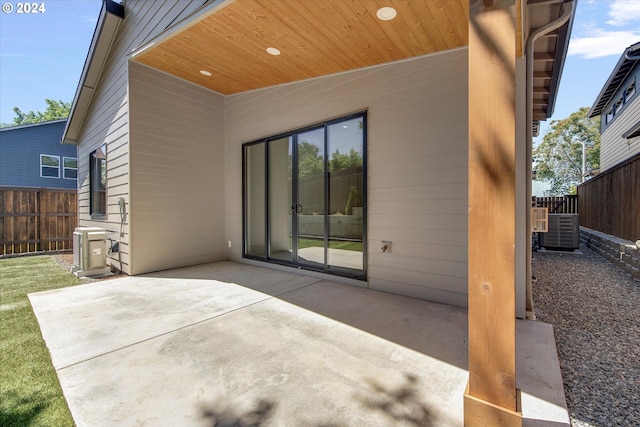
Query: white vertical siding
point(107, 120)
point(177, 171)
point(417, 163)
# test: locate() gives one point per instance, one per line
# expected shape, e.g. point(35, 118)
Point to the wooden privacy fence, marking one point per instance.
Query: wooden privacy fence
point(341, 184)
point(557, 204)
point(36, 219)
point(610, 202)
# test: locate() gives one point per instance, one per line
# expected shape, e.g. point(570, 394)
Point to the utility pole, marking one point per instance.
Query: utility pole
point(584, 160)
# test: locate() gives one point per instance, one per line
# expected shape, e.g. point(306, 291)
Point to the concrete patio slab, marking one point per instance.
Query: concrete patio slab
point(234, 344)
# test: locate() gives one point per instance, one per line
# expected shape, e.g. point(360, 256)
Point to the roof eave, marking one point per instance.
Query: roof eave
point(111, 15)
point(561, 54)
point(597, 107)
point(28, 125)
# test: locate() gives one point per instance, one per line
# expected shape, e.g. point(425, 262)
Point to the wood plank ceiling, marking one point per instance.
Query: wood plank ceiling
point(315, 38)
point(322, 37)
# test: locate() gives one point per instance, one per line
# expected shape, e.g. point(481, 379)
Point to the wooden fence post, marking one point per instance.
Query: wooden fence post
point(42, 235)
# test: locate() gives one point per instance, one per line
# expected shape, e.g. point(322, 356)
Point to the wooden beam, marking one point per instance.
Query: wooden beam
point(491, 392)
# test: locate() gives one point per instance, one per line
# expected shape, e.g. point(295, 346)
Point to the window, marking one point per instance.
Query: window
point(49, 166)
point(98, 181)
point(70, 165)
point(305, 198)
point(609, 116)
point(617, 106)
point(629, 91)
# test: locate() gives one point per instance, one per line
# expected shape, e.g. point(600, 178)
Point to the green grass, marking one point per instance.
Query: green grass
point(334, 244)
point(30, 394)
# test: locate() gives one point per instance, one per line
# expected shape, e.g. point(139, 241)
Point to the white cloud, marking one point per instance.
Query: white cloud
point(603, 43)
point(623, 12)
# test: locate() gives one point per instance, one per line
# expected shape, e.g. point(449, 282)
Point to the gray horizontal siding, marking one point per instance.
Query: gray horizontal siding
point(417, 163)
point(613, 147)
point(20, 151)
point(177, 185)
point(107, 119)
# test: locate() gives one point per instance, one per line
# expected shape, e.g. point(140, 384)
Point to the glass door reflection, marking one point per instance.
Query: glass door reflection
point(310, 209)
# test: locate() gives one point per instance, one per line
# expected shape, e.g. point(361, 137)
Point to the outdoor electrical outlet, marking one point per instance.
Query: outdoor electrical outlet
point(228, 243)
point(386, 247)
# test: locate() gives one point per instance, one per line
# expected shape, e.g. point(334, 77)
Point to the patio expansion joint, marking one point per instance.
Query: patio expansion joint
point(97, 356)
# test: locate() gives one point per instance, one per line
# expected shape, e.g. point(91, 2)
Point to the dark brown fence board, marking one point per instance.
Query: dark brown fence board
point(36, 219)
point(610, 202)
point(557, 204)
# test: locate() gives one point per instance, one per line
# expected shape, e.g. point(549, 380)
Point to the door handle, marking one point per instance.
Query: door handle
point(297, 208)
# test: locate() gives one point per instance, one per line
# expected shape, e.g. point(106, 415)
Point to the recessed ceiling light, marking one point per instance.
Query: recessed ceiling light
point(386, 13)
point(205, 73)
point(273, 51)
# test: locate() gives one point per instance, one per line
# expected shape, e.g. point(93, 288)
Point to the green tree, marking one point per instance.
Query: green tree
point(558, 158)
point(310, 161)
point(345, 161)
point(55, 110)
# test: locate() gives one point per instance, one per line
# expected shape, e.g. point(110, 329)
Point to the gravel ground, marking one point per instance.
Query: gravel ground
point(65, 260)
point(594, 308)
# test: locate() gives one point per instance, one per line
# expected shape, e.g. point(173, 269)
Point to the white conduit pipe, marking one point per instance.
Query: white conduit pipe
point(533, 36)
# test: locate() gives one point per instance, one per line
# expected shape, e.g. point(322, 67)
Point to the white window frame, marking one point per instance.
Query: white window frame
point(49, 166)
point(65, 168)
point(631, 87)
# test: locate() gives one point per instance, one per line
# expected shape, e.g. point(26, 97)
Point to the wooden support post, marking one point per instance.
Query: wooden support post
point(491, 398)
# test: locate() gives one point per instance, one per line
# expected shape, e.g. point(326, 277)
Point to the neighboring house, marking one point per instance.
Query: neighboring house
point(609, 203)
point(32, 156)
point(618, 106)
point(328, 138)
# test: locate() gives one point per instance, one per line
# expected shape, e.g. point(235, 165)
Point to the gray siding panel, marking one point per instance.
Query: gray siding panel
point(613, 147)
point(417, 163)
point(177, 172)
point(107, 119)
point(20, 151)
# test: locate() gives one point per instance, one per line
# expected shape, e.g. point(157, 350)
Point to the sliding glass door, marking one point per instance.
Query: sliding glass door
point(304, 198)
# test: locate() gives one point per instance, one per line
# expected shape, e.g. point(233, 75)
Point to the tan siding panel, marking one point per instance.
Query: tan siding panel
point(177, 172)
point(107, 119)
point(417, 163)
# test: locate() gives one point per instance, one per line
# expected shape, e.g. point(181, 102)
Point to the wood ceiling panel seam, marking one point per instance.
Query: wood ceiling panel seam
point(375, 52)
point(295, 17)
point(337, 36)
point(445, 26)
point(171, 55)
point(249, 38)
point(428, 22)
point(316, 38)
point(172, 64)
point(411, 27)
point(388, 33)
point(459, 14)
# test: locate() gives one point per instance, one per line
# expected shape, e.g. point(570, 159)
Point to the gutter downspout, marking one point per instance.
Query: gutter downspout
point(567, 9)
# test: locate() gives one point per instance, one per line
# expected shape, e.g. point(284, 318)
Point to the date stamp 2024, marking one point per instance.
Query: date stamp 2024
point(30, 8)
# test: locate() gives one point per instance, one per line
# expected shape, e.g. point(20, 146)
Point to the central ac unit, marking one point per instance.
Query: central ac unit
point(563, 232)
point(89, 252)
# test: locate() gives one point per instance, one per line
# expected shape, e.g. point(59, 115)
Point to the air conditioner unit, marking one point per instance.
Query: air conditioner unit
point(89, 252)
point(563, 232)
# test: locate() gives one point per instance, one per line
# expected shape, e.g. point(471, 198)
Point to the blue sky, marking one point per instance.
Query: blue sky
point(41, 55)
